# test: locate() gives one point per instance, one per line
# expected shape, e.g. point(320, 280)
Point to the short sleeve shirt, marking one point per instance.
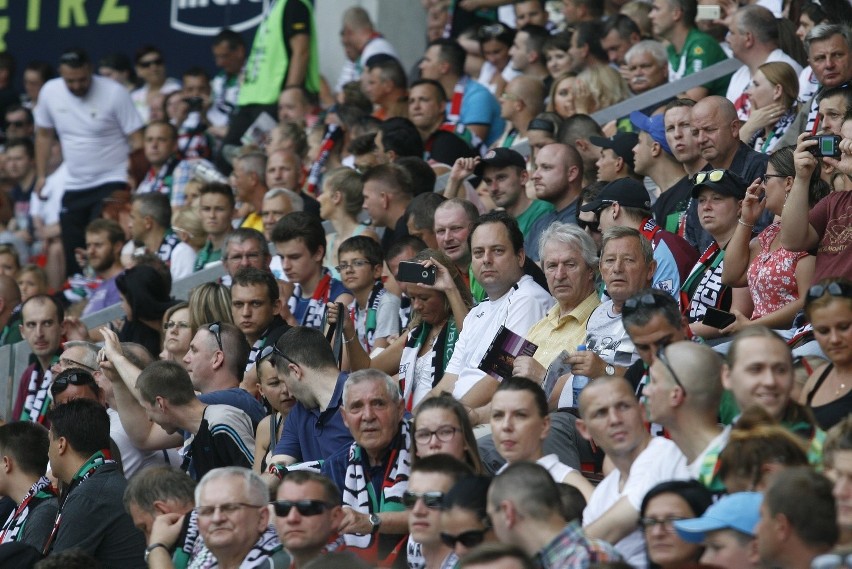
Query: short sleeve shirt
point(699, 52)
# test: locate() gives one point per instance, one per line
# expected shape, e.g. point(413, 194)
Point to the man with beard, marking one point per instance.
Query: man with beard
point(104, 240)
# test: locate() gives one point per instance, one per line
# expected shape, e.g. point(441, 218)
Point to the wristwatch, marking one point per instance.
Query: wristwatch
point(151, 548)
point(375, 521)
point(609, 370)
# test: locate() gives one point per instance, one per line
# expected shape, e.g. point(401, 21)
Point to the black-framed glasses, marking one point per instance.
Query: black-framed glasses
point(432, 500)
point(648, 524)
point(150, 63)
point(62, 382)
point(180, 325)
point(661, 355)
point(272, 350)
point(304, 507)
point(712, 175)
point(469, 539)
point(833, 289)
point(765, 177)
point(445, 434)
point(228, 509)
point(355, 264)
point(216, 329)
point(593, 226)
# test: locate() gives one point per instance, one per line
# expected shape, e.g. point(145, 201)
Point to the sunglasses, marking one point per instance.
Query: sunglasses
point(469, 539)
point(432, 500)
point(842, 290)
point(604, 204)
point(593, 226)
point(61, 383)
point(216, 329)
point(712, 175)
point(661, 355)
point(304, 507)
point(150, 63)
point(491, 31)
point(635, 302)
point(272, 349)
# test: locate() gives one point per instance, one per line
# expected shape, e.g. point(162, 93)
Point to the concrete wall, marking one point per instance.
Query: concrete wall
point(402, 22)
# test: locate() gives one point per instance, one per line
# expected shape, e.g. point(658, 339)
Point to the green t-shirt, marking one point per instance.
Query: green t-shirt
point(537, 209)
point(699, 52)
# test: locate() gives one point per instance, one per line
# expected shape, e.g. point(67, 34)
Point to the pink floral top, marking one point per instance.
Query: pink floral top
point(772, 275)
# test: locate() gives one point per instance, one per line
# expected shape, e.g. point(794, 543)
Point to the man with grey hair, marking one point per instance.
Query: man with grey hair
point(244, 247)
point(374, 518)
point(157, 492)
point(753, 37)
point(233, 522)
point(360, 43)
point(277, 203)
point(828, 47)
point(248, 179)
point(647, 67)
point(150, 229)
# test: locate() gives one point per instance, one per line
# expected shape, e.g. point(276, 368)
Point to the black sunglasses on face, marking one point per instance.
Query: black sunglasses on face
point(469, 539)
point(432, 500)
point(216, 329)
point(593, 226)
point(304, 507)
point(61, 383)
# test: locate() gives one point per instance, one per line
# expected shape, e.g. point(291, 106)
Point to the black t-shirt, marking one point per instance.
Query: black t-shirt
point(671, 204)
point(445, 147)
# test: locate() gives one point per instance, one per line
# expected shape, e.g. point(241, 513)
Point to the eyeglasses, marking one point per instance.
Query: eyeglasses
point(248, 257)
point(271, 350)
point(445, 434)
point(648, 524)
point(833, 289)
point(712, 175)
point(765, 177)
point(490, 31)
point(150, 62)
point(61, 383)
point(661, 355)
point(593, 226)
point(468, 539)
point(635, 302)
point(68, 363)
point(227, 510)
point(304, 507)
point(432, 500)
point(355, 264)
point(216, 329)
point(181, 325)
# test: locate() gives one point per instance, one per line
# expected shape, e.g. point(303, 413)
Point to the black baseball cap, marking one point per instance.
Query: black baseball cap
point(723, 182)
point(622, 144)
point(500, 158)
point(626, 191)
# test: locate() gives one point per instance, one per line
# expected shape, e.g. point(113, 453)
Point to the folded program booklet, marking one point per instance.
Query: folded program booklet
point(499, 359)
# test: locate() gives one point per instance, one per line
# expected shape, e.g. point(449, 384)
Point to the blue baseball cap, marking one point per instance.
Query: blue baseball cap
point(739, 512)
point(653, 125)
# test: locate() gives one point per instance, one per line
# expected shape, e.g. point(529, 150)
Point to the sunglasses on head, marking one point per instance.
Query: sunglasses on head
point(842, 290)
point(304, 507)
point(216, 329)
point(270, 350)
point(635, 302)
point(712, 175)
point(469, 539)
point(61, 383)
point(661, 355)
point(491, 31)
point(432, 500)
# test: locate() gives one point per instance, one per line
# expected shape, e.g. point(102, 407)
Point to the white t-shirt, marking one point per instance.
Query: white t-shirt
point(92, 129)
point(808, 85)
point(54, 188)
point(352, 70)
point(661, 461)
point(741, 79)
point(132, 459)
point(557, 470)
point(606, 336)
point(182, 261)
point(525, 304)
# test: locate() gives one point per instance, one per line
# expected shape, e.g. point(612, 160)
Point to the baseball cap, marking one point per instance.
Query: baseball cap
point(626, 191)
point(723, 182)
point(653, 125)
point(622, 144)
point(500, 158)
point(740, 512)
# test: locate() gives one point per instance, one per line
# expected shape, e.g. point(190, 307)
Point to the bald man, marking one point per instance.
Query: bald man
point(10, 298)
point(686, 401)
point(521, 101)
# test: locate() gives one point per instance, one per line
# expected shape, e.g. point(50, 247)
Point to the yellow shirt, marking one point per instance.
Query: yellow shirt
point(253, 221)
point(555, 333)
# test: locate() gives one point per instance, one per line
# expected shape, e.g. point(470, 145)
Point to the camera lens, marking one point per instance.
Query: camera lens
point(425, 274)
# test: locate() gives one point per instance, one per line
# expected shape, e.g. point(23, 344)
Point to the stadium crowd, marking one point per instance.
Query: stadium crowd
point(461, 324)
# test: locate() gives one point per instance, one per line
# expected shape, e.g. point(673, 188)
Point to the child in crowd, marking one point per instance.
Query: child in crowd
point(32, 280)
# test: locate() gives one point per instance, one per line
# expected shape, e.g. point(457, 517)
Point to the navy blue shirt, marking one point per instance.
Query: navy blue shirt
point(239, 398)
point(313, 435)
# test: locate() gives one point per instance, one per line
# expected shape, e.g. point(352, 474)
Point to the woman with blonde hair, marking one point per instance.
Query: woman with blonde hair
point(773, 96)
point(340, 202)
point(209, 302)
point(561, 97)
point(598, 87)
point(189, 229)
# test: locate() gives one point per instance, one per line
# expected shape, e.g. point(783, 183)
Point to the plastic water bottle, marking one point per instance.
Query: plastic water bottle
point(580, 381)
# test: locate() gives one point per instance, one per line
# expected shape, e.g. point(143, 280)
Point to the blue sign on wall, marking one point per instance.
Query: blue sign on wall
point(182, 29)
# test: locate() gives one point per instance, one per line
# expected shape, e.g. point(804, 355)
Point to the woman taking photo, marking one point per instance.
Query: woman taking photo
point(776, 278)
point(773, 95)
point(420, 356)
point(828, 391)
